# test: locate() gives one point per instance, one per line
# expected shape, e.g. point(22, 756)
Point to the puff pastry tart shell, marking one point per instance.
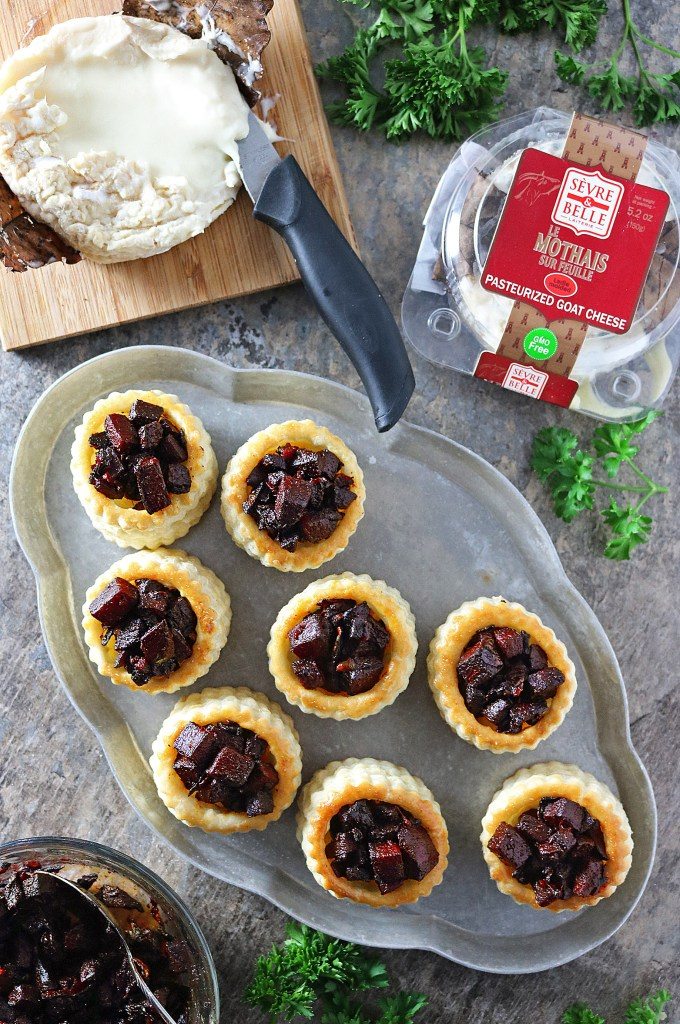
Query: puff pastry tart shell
point(385, 603)
point(448, 644)
point(524, 790)
point(118, 521)
point(243, 528)
point(252, 711)
point(343, 782)
point(201, 587)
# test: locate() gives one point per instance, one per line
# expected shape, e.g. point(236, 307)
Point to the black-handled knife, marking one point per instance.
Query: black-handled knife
point(343, 290)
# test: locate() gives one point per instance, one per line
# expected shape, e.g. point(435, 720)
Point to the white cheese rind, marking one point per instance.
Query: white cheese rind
point(121, 134)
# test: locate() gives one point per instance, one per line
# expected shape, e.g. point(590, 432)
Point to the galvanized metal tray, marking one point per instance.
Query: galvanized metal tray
point(442, 526)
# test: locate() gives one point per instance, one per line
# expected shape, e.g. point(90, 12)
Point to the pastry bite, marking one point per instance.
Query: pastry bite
point(143, 468)
point(343, 648)
point(227, 759)
point(372, 833)
point(156, 620)
point(293, 495)
point(501, 678)
point(554, 837)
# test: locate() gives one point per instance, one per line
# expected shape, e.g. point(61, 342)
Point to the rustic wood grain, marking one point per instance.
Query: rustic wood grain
point(235, 256)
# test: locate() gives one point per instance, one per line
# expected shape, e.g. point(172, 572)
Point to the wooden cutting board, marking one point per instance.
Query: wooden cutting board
point(235, 256)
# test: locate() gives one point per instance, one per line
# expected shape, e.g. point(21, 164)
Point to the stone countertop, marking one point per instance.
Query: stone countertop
point(53, 776)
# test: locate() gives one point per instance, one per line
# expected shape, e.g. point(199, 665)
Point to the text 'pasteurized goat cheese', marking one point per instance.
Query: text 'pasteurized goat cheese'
point(121, 134)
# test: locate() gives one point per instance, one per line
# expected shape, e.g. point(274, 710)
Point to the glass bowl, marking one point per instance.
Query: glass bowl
point(72, 855)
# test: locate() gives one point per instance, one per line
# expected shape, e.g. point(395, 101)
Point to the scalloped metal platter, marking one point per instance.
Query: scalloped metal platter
point(442, 526)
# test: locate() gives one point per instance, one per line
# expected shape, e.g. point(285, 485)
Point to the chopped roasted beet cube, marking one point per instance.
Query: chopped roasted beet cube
point(233, 766)
point(154, 596)
point(264, 774)
point(114, 896)
point(356, 815)
point(130, 635)
point(545, 683)
point(346, 843)
point(150, 435)
point(121, 432)
point(188, 771)
point(589, 880)
point(387, 865)
point(254, 746)
point(538, 659)
point(510, 845)
point(198, 743)
point(179, 479)
point(362, 673)
point(526, 713)
point(419, 852)
point(327, 464)
point(318, 526)
point(533, 827)
point(563, 810)
point(475, 699)
point(182, 649)
point(257, 475)
point(144, 412)
point(174, 448)
point(118, 599)
point(309, 674)
point(497, 712)
point(260, 803)
point(309, 638)
point(479, 663)
point(358, 873)
point(343, 497)
point(157, 643)
point(509, 641)
point(292, 499)
point(546, 892)
point(151, 484)
point(99, 440)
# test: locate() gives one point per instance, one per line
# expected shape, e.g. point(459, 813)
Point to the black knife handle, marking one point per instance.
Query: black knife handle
point(345, 293)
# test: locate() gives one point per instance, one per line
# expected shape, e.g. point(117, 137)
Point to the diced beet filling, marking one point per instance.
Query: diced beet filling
point(298, 495)
point(379, 842)
point(223, 763)
point(340, 647)
point(506, 679)
point(557, 848)
point(140, 457)
point(153, 626)
point(60, 962)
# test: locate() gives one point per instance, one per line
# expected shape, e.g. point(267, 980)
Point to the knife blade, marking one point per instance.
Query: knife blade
point(336, 280)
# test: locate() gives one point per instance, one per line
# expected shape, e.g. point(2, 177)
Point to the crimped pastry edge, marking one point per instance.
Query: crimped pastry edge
point(200, 585)
point(341, 782)
point(448, 644)
point(388, 604)
point(244, 530)
point(253, 711)
point(523, 790)
point(124, 526)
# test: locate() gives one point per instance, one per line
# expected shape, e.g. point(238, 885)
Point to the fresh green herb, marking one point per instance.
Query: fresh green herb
point(438, 81)
point(640, 1011)
point(653, 95)
point(568, 472)
point(310, 967)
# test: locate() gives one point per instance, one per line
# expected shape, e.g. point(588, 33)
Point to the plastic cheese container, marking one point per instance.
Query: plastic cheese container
point(451, 319)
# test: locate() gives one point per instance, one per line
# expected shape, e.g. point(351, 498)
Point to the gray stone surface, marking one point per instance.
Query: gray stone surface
point(53, 777)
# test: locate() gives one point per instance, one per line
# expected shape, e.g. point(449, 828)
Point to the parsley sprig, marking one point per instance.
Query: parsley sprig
point(439, 81)
point(653, 95)
point(314, 976)
point(569, 473)
point(649, 1010)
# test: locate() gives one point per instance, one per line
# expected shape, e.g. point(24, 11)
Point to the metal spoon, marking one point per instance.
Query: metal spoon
point(98, 906)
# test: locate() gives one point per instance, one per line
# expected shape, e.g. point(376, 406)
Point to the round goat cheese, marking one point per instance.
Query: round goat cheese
point(120, 133)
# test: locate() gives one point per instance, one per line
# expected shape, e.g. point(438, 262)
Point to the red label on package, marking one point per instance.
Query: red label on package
point(526, 380)
point(575, 242)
